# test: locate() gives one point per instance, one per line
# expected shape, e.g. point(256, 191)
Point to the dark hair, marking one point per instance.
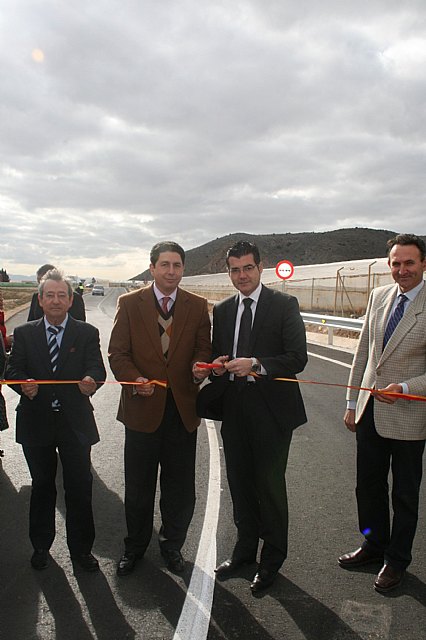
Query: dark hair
point(56, 275)
point(405, 239)
point(166, 245)
point(243, 248)
point(44, 269)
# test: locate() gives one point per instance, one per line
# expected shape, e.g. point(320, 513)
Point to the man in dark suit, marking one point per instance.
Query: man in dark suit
point(77, 309)
point(58, 417)
point(159, 333)
point(390, 432)
point(258, 331)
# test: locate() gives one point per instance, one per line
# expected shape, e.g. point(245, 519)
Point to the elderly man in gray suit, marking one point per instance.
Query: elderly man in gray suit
point(390, 431)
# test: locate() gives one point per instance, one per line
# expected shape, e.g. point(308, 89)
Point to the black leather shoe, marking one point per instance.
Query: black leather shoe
point(262, 580)
point(174, 560)
point(359, 558)
point(388, 579)
point(228, 568)
point(86, 561)
point(40, 559)
point(127, 563)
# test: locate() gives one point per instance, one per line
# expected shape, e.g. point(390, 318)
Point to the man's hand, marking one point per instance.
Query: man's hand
point(222, 360)
point(30, 390)
point(202, 373)
point(145, 390)
point(383, 397)
point(239, 366)
point(87, 386)
point(349, 419)
point(198, 373)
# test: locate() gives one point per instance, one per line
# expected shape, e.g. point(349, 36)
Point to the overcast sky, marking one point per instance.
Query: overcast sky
point(124, 122)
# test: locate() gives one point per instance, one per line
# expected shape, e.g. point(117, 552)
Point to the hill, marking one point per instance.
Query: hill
point(299, 248)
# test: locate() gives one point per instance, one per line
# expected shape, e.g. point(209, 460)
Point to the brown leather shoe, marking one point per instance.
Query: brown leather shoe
point(359, 558)
point(389, 578)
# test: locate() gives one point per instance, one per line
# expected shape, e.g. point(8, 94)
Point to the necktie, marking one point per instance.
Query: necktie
point(53, 347)
point(164, 304)
point(394, 318)
point(245, 330)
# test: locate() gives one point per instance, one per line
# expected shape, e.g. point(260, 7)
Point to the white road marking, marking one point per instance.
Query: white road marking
point(316, 355)
point(194, 620)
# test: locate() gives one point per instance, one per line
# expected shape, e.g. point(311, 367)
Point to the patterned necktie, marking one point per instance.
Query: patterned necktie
point(245, 330)
point(395, 318)
point(53, 346)
point(164, 304)
point(165, 325)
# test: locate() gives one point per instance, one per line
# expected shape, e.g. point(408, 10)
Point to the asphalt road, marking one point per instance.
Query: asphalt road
point(312, 599)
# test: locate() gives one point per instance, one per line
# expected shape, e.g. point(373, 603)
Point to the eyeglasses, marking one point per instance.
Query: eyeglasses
point(248, 268)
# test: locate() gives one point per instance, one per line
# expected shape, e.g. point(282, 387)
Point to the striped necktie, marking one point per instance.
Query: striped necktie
point(395, 318)
point(53, 346)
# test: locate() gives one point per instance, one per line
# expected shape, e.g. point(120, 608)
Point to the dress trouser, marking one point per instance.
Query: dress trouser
point(375, 457)
point(77, 478)
point(256, 452)
point(172, 448)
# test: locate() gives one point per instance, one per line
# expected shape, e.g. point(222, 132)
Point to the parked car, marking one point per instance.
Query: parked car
point(98, 290)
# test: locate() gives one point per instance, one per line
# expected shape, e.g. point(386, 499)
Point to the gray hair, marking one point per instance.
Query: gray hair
point(58, 276)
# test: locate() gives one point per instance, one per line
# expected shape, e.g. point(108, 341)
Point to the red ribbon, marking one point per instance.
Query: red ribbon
point(163, 383)
point(393, 394)
point(209, 365)
point(159, 383)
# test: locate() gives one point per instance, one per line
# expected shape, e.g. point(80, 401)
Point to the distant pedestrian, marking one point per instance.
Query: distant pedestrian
point(77, 310)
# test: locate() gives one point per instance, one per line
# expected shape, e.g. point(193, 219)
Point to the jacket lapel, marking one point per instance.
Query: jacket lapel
point(40, 343)
point(231, 316)
point(180, 316)
point(67, 342)
point(262, 309)
point(148, 317)
point(408, 320)
point(382, 316)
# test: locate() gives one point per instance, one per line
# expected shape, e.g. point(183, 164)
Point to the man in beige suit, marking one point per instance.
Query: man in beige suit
point(390, 432)
point(158, 334)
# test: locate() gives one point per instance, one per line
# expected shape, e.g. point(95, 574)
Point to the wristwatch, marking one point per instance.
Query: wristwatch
point(255, 365)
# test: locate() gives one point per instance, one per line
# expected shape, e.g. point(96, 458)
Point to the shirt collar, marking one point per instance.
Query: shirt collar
point(413, 292)
point(63, 323)
point(254, 295)
point(160, 295)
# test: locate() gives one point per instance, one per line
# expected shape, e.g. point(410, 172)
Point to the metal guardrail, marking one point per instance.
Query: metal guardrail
point(333, 322)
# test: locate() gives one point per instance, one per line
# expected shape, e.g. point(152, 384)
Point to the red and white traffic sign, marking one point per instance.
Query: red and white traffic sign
point(284, 269)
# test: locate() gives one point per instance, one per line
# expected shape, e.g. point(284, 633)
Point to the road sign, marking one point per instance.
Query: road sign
point(284, 269)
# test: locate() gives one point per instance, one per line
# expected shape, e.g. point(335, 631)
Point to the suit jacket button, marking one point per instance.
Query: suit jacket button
point(379, 373)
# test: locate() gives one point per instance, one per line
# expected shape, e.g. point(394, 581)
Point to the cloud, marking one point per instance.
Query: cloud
point(125, 123)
